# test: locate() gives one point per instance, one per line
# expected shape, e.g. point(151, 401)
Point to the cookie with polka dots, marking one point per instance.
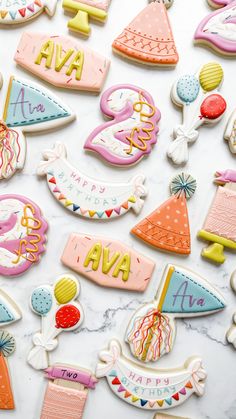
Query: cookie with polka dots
point(167, 228)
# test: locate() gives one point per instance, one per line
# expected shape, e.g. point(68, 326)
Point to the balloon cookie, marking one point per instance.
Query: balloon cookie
point(22, 234)
point(219, 227)
point(62, 61)
point(60, 312)
point(67, 391)
point(20, 11)
point(167, 228)
point(231, 334)
point(85, 196)
point(108, 262)
point(133, 129)
point(230, 132)
point(148, 39)
point(181, 294)
point(198, 96)
point(150, 389)
point(9, 310)
point(83, 10)
point(7, 347)
point(28, 108)
point(217, 30)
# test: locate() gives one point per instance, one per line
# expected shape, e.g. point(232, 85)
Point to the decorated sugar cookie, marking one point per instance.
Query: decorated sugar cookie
point(22, 234)
point(167, 228)
point(148, 39)
point(164, 416)
point(20, 11)
point(217, 30)
point(62, 61)
point(181, 294)
point(7, 347)
point(9, 310)
point(30, 108)
point(60, 312)
point(230, 133)
point(108, 262)
point(83, 10)
point(198, 96)
point(231, 333)
point(150, 389)
point(133, 129)
point(86, 196)
point(219, 227)
point(67, 391)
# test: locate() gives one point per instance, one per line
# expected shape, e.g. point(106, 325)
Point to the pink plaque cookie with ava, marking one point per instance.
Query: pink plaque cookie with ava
point(22, 234)
point(133, 129)
point(108, 262)
point(62, 61)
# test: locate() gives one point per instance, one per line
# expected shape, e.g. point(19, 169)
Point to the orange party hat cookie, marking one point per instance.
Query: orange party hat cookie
point(167, 228)
point(148, 38)
point(7, 347)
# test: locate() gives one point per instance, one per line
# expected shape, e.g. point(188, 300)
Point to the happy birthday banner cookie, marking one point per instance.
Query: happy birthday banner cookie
point(148, 39)
point(83, 10)
point(198, 96)
point(7, 347)
point(9, 310)
point(22, 234)
point(181, 294)
point(219, 227)
point(108, 262)
point(29, 107)
point(20, 11)
point(86, 196)
point(167, 228)
point(218, 29)
point(60, 312)
point(150, 389)
point(62, 61)
point(133, 129)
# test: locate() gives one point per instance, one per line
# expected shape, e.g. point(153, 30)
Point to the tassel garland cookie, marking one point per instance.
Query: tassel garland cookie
point(148, 39)
point(60, 312)
point(181, 294)
point(167, 228)
point(201, 103)
point(7, 347)
point(218, 30)
point(219, 227)
point(20, 11)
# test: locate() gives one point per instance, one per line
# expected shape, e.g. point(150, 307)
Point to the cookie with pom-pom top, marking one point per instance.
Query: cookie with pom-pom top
point(7, 347)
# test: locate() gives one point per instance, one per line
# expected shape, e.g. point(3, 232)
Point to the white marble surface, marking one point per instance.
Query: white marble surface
point(107, 311)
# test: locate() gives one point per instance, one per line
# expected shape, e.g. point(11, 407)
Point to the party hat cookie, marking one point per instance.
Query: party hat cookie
point(7, 347)
point(9, 311)
point(148, 39)
point(167, 228)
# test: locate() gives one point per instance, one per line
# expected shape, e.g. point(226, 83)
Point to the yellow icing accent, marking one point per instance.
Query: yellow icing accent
point(65, 290)
point(94, 256)
point(7, 100)
point(46, 51)
point(61, 61)
point(92, 213)
point(124, 266)
point(215, 251)
point(211, 76)
point(77, 64)
point(108, 263)
point(166, 286)
point(132, 199)
point(135, 399)
point(80, 23)
point(68, 203)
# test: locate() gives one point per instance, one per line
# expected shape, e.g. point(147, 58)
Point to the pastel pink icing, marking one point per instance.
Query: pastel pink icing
point(100, 4)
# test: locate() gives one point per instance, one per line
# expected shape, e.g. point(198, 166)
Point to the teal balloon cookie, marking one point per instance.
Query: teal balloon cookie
point(41, 300)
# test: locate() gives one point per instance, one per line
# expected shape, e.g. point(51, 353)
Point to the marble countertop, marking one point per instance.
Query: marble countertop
point(107, 311)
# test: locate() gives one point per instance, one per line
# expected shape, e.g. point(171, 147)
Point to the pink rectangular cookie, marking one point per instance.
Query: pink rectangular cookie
point(100, 4)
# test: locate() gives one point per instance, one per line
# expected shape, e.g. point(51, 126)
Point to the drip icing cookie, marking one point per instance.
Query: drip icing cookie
point(20, 11)
point(148, 39)
point(7, 347)
point(133, 129)
point(198, 96)
point(22, 234)
point(9, 310)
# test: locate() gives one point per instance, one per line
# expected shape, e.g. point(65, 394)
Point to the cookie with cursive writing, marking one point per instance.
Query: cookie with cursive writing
point(29, 107)
point(133, 129)
point(85, 196)
point(149, 388)
point(62, 61)
point(22, 234)
point(20, 11)
point(181, 294)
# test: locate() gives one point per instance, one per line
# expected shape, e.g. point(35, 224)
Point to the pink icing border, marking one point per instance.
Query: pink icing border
point(119, 117)
point(11, 245)
point(223, 45)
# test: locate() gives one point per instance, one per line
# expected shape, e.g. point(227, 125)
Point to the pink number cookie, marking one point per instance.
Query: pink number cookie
point(22, 234)
point(133, 129)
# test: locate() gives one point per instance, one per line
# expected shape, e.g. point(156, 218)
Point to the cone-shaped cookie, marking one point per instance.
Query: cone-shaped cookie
point(167, 228)
point(7, 346)
point(149, 38)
